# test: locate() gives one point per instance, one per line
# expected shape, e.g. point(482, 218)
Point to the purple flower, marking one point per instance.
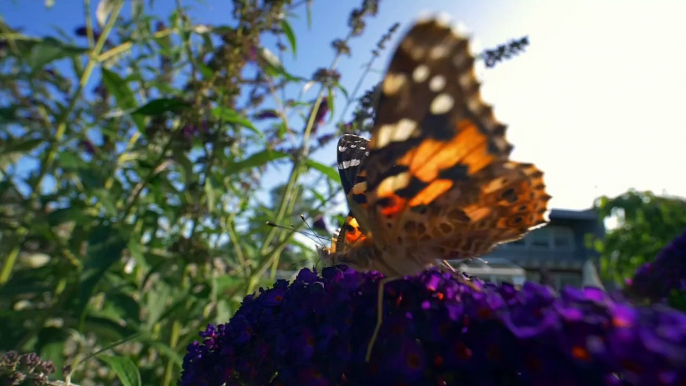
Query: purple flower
point(437, 330)
point(658, 279)
point(267, 114)
point(87, 146)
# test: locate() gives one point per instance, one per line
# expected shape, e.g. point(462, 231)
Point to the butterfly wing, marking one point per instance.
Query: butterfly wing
point(352, 154)
point(439, 174)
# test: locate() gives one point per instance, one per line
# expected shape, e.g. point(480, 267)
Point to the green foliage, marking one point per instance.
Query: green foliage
point(645, 224)
point(138, 171)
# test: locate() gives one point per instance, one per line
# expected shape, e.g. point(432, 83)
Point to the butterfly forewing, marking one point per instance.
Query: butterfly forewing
point(438, 171)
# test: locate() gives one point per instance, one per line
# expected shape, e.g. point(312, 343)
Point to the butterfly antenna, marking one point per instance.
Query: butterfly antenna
point(319, 238)
point(311, 236)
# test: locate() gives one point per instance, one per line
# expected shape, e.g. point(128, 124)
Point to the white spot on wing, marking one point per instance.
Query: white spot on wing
point(404, 130)
point(360, 187)
point(393, 183)
point(383, 136)
point(439, 52)
point(421, 73)
point(417, 52)
point(442, 104)
point(393, 83)
point(437, 83)
point(346, 164)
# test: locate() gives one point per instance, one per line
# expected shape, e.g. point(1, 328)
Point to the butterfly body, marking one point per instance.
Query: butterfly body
point(435, 181)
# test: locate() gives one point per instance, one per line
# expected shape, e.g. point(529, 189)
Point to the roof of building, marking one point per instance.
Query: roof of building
point(586, 214)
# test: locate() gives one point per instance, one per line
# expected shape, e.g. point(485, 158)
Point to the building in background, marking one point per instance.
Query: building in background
point(555, 254)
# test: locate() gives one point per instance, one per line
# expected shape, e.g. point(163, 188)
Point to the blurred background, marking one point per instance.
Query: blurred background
point(144, 145)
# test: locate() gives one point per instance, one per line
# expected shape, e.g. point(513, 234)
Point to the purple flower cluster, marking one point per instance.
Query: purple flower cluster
point(25, 369)
point(657, 280)
point(437, 331)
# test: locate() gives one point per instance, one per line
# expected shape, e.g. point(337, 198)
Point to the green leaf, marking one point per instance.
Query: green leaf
point(125, 369)
point(210, 194)
point(328, 171)
point(255, 160)
point(105, 246)
point(231, 116)
point(288, 31)
point(161, 106)
point(330, 102)
point(166, 350)
point(318, 196)
point(48, 50)
point(273, 67)
point(343, 90)
point(119, 88)
point(206, 72)
point(20, 145)
point(74, 213)
point(107, 201)
point(8, 114)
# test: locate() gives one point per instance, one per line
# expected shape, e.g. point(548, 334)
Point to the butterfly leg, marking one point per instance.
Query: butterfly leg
point(447, 265)
point(379, 314)
point(459, 276)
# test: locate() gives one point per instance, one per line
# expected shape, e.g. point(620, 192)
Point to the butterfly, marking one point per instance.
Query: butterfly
point(435, 181)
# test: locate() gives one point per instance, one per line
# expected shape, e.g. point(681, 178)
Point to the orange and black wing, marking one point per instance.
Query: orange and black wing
point(439, 170)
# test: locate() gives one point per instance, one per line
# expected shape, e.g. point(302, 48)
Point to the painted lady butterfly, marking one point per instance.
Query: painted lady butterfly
point(435, 181)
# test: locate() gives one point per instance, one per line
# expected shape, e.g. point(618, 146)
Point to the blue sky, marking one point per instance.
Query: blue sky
point(597, 101)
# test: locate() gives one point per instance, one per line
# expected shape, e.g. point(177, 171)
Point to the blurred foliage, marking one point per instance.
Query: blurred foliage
point(645, 224)
point(137, 158)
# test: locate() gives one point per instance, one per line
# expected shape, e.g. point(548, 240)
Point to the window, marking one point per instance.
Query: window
point(549, 237)
point(563, 238)
point(540, 238)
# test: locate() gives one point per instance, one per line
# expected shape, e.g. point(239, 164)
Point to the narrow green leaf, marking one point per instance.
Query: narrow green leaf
point(119, 88)
point(206, 71)
point(256, 160)
point(168, 351)
point(122, 94)
point(20, 145)
point(343, 90)
point(330, 102)
point(161, 106)
point(328, 171)
point(231, 116)
point(125, 369)
point(288, 31)
point(211, 196)
point(273, 67)
point(48, 50)
point(318, 196)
